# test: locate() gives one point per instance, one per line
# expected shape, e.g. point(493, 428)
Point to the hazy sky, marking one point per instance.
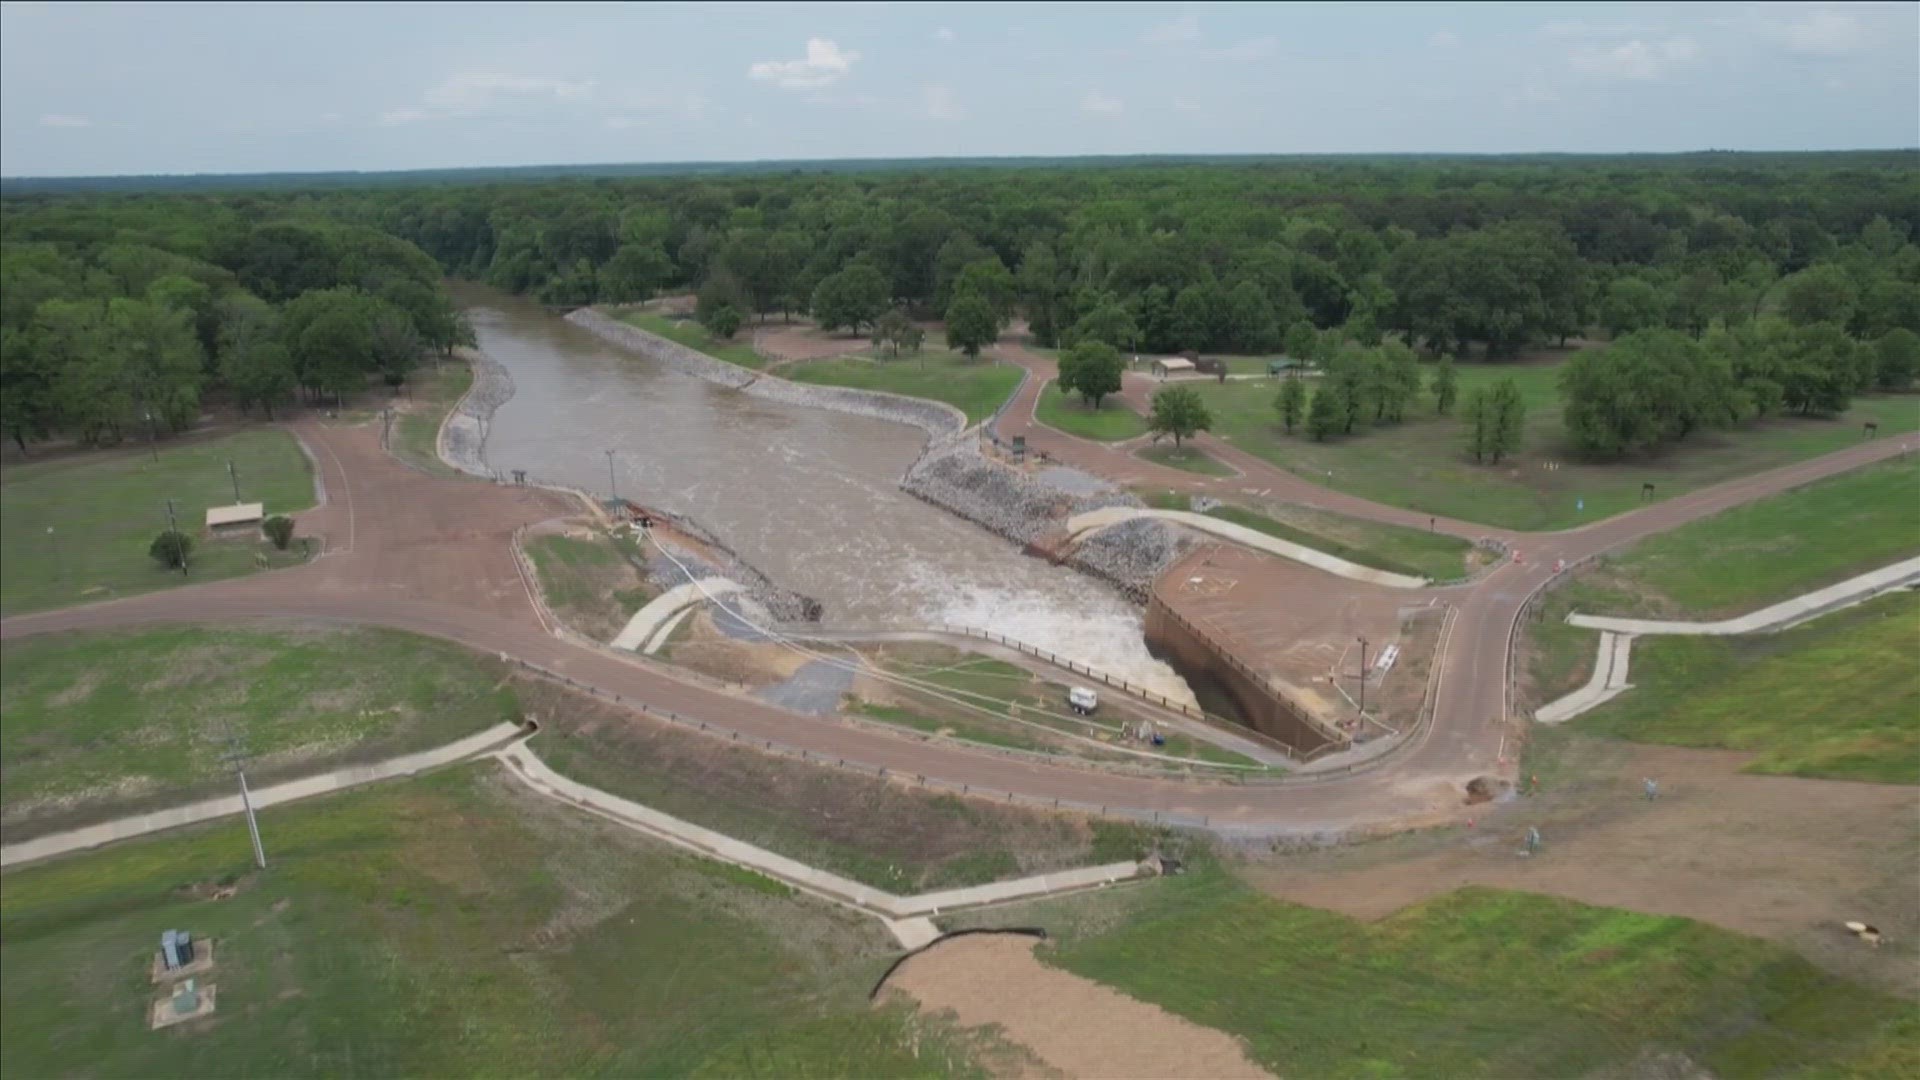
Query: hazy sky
point(164, 88)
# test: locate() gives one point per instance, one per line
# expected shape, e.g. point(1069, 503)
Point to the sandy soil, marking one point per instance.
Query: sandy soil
point(791, 342)
point(1781, 858)
point(1072, 1024)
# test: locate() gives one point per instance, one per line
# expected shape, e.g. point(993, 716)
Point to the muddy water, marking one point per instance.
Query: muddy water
point(807, 495)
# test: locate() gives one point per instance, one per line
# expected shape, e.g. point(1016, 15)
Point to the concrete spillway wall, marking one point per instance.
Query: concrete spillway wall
point(1256, 703)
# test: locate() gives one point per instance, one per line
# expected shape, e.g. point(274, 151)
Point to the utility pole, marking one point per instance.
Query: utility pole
point(235, 477)
point(612, 492)
point(153, 437)
point(1363, 674)
point(386, 428)
point(173, 526)
point(238, 759)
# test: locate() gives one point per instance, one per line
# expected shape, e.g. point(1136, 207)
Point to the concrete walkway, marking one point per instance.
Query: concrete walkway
point(1609, 678)
point(1094, 520)
point(527, 767)
point(649, 620)
point(43, 847)
point(1777, 617)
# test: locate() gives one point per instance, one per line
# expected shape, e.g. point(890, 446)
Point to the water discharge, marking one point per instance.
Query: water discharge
point(808, 496)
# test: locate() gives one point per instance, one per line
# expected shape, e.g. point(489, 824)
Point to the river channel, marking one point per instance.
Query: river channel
point(809, 496)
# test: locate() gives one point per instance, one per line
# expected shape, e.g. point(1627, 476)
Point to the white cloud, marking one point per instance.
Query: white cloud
point(850, 101)
point(1636, 59)
point(943, 35)
point(1822, 32)
point(486, 90)
point(399, 117)
point(1182, 31)
point(1444, 39)
point(823, 65)
point(61, 120)
point(943, 104)
point(1103, 104)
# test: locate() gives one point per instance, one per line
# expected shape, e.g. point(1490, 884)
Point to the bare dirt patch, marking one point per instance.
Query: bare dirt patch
point(788, 343)
point(1071, 1024)
point(1778, 857)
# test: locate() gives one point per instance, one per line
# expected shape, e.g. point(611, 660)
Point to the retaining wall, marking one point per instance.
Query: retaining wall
point(1198, 660)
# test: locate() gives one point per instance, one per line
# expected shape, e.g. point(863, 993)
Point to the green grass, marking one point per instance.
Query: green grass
point(450, 925)
point(1185, 458)
point(1479, 982)
point(1112, 422)
point(95, 721)
point(588, 583)
point(1779, 547)
point(1436, 556)
point(694, 336)
point(1421, 463)
point(1837, 698)
point(416, 436)
point(106, 507)
point(975, 387)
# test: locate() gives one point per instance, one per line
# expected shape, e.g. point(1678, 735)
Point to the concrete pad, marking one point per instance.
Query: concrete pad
point(1094, 520)
point(648, 620)
point(162, 1015)
point(913, 933)
point(1608, 681)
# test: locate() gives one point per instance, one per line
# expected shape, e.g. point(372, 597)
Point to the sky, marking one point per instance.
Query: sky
point(104, 89)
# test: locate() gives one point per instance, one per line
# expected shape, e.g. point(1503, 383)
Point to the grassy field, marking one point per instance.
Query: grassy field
point(1835, 698)
point(975, 387)
point(1185, 458)
point(102, 722)
point(1478, 982)
point(1113, 421)
point(450, 925)
point(1421, 463)
point(1779, 547)
point(1383, 547)
point(435, 391)
point(897, 838)
point(588, 582)
point(77, 528)
point(694, 336)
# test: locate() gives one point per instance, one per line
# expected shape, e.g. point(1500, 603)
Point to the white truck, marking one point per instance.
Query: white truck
point(1082, 700)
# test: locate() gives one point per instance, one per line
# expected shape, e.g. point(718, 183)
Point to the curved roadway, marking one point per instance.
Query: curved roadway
point(433, 556)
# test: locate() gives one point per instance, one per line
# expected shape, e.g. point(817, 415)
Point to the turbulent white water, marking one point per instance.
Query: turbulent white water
point(808, 496)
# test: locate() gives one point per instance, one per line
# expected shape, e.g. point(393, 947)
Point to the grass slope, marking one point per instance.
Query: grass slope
point(1383, 547)
point(416, 435)
point(694, 336)
point(975, 387)
point(1185, 458)
point(588, 583)
point(1837, 698)
point(1421, 463)
point(450, 925)
point(99, 720)
point(1113, 421)
point(106, 507)
point(1483, 982)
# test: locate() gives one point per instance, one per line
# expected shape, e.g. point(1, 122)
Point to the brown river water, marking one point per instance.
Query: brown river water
point(809, 496)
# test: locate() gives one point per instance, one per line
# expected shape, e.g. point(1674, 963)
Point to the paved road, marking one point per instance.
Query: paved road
point(432, 556)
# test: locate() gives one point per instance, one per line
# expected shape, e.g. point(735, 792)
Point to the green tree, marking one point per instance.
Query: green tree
point(1632, 303)
point(724, 321)
point(971, 325)
point(851, 298)
point(1290, 402)
point(1818, 294)
point(1178, 411)
point(1111, 323)
point(1093, 369)
point(890, 331)
point(989, 280)
point(260, 373)
point(1495, 416)
point(721, 291)
point(171, 549)
point(1896, 359)
point(1327, 413)
point(1302, 341)
point(1445, 386)
point(1648, 387)
point(634, 273)
point(279, 529)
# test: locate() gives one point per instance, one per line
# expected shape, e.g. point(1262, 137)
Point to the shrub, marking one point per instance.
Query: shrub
point(279, 529)
point(171, 548)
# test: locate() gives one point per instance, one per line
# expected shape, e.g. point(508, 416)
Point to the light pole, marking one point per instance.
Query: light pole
point(153, 437)
point(1363, 674)
point(238, 759)
point(173, 526)
point(235, 477)
point(613, 492)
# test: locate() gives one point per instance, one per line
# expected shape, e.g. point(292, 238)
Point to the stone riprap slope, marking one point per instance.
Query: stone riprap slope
point(1133, 554)
point(671, 353)
point(463, 439)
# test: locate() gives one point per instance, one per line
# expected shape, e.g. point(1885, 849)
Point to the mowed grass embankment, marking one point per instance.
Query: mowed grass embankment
point(875, 831)
point(104, 508)
point(1736, 561)
point(1836, 698)
point(1113, 421)
point(1422, 462)
point(1478, 982)
point(1436, 556)
point(416, 434)
point(975, 387)
point(733, 350)
point(452, 924)
point(588, 581)
point(103, 723)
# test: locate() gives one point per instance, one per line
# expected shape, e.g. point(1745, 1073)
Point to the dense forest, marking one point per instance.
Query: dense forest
point(1738, 285)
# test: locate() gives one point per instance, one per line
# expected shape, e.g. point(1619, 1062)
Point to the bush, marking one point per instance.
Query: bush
point(279, 529)
point(170, 549)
